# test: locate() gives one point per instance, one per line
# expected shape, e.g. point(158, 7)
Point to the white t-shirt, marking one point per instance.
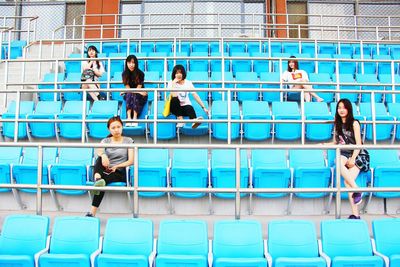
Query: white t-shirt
point(293, 76)
point(181, 91)
point(85, 65)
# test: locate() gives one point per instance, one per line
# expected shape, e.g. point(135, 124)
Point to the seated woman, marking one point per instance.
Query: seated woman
point(293, 74)
point(180, 102)
point(111, 163)
point(97, 68)
point(133, 77)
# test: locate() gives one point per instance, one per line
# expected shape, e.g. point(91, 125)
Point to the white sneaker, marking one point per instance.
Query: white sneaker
point(128, 124)
point(180, 124)
point(134, 124)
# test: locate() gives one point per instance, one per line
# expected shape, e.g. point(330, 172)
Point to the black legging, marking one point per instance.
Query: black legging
point(118, 176)
point(183, 111)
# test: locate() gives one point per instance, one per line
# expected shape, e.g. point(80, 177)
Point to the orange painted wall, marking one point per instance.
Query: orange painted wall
point(101, 7)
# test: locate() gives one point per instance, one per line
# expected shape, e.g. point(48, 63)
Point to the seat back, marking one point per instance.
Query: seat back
point(292, 239)
point(75, 235)
point(387, 236)
point(353, 239)
point(128, 236)
point(220, 111)
point(82, 156)
point(23, 234)
point(238, 239)
point(182, 237)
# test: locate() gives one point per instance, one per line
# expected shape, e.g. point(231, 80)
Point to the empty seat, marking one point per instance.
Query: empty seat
point(241, 65)
point(238, 243)
point(182, 243)
point(9, 156)
point(50, 78)
point(146, 47)
point(309, 48)
point(72, 168)
point(73, 80)
point(269, 169)
point(165, 131)
point(369, 78)
point(318, 111)
point(217, 77)
point(386, 166)
point(351, 247)
point(323, 78)
point(346, 49)
point(22, 239)
point(200, 47)
point(73, 66)
point(158, 64)
point(74, 241)
point(326, 66)
point(384, 67)
point(256, 110)
point(110, 47)
point(260, 65)
point(190, 171)
point(387, 239)
point(116, 82)
point(173, 62)
point(199, 79)
point(291, 47)
point(254, 47)
point(387, 78)
point(219, 110)
point(165, 47)
point(286, 111)
point(247, 77)
point(127, 241)
point(327, 48)
point(394, 110)
point(26, 171)
point(271, 77)
point(198, 64)
point(310, 171)
point(123, 48)
point(44, 110)
point(25, 108)
point(116, 63)
point(101, 110)
point(293, 243)
point(216, 64)
point(223, 171)
point(72, 111)
point(347, 78)
point(202, 129)
point(346, 67)
point(368, 67)
point(236, 47)
point(383, 131)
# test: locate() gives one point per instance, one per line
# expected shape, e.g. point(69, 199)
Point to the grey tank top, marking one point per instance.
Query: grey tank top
point(117, 155)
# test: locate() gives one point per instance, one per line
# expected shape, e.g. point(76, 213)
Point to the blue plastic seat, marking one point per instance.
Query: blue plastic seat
point(165, 47)
point(276, 64)
point(327, 48)
point(386, 165)
point(318, 111)
point(23, 238)
point(72, 111)
point(202, 129)
point(151, 77)
point(171, 62)
point(140, 129)
point(260, 65)
point(326, 66)
point(73, 66)
point(158, 64)
point(387, 239)
point(346, 67)
point(9, 156)
point(133, 47)
point(50, 77)
point(346, 49)
point(238, 243)
point(270, 170)
point(347, 78)
point(310, 171)
point(74, 78)
point(190, 171)
point(309, 48)
point(286, 111)
point(293, 243)
point(323, 78)
point(196, 77)
point(387, 78)
point(370, 78)
point(147, 47)
point(273, 47)
point(101, 110)
point(110, 47)
point(200, 47)
point(26, 171)
point(394, 111)
point(291, 47)
point(74, 242)
point(25, 108)
point(365, 67)
point(117, 64)
point(365, 48)
point(127, 241)
point(248, 77)
point(198, 64)
point(236, 47)
point(271, 77)
point(223, 171)
point(219, 110)
point(258, 110)
point(383, 67)
point(382, 49)
point(44, 110)
point(183, 46)
point(383, 131)
point(165, 131)
point(351, 247)
point(182, 243)
point(217, 76)
point(253, 47)
point(72, 168)
point(153, 170)
point(241, 65)
point(16, 48)
point(116, 82)
point(216, 64)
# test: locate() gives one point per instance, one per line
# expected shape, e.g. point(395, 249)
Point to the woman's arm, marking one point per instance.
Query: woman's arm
point(98, 71)
point(198, 100)
point(143, 93)
point(101, 152)
point(127, 163)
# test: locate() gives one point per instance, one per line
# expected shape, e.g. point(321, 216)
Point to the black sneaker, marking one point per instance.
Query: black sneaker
point(89, 214)
point(354, 217)
point(102, 97)
point(357, 197)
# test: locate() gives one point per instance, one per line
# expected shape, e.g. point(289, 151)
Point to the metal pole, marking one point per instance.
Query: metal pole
point(237, 175)
point(338, 186)
point(39, 181)
point(136, 183)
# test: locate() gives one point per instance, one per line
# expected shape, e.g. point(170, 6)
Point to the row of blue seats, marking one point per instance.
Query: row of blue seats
point(262, 169)
point(76, 241)
point(201, 79)
point(292, 47)
point(16, 50)
point(146, 63)
point(250, 110)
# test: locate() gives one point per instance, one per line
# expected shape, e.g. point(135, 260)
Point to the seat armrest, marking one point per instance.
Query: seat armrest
point(376, 253)
point(153, 253)
point(266, 254)
point(210, 254)
point(323, 255)
point(96, 252)
point(43, 251)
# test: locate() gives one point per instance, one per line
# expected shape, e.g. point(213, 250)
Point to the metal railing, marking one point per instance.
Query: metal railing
point(30, 22)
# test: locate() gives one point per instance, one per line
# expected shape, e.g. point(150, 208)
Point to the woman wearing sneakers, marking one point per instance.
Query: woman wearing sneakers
point(347, 132)
point(180, 102)
point(293, 74)
point(110, 166)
